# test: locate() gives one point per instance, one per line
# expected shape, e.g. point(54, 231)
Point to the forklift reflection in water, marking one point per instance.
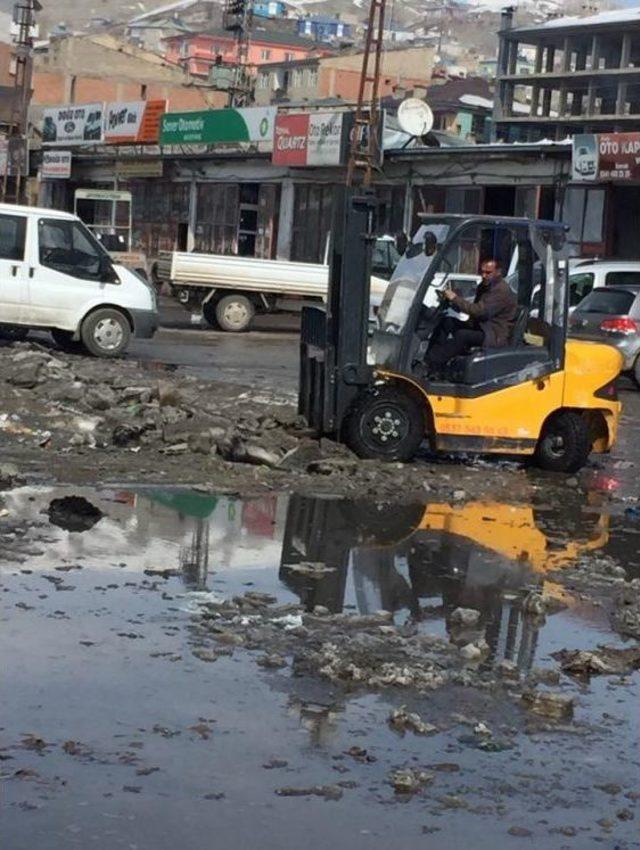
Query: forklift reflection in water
point(541, 395)
point(427, 561)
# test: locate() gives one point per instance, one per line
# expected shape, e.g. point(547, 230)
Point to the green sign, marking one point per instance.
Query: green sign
point(219, 126)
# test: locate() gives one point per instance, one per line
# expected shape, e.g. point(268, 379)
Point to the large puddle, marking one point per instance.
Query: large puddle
point(117, 733)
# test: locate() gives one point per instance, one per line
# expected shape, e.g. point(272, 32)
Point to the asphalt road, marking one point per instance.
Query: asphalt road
point(266, 356)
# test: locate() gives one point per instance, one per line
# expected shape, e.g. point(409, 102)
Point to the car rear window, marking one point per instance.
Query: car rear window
point(622, 278)
point(613, 302)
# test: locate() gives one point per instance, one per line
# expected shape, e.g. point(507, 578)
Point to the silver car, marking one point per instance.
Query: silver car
point(611, 314)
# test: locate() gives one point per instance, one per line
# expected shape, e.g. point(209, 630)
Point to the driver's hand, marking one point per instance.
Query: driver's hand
point(449, 294)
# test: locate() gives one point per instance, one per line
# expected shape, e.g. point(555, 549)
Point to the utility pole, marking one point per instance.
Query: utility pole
point(24, 13)
point(365, 141)
point(237, 18)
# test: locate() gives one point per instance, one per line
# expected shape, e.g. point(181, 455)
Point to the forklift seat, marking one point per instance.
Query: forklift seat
point(486, 364)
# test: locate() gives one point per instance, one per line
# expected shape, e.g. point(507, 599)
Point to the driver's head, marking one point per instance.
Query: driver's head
point(490, 270)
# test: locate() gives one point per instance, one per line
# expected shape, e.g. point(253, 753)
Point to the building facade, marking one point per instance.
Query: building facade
point(585, 77)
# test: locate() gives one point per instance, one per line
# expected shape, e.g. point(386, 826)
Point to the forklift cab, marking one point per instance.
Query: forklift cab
point(448, 248)
point(540, 395)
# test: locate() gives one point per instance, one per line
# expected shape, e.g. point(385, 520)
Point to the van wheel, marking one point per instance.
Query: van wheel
point(13, 333)
point(106, 332)
point(235, 313)
point(385, 423)
point(565, 443)
point(65, 341)
point(209, 315)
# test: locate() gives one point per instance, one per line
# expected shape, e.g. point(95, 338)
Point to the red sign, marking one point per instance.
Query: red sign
point(290, 139)
point(606, 156)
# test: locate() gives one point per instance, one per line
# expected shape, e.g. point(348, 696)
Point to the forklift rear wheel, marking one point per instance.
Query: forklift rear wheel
point(234, 313)
point(565, 443)
point(385, 423)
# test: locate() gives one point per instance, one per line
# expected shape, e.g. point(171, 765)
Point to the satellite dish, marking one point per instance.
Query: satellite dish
point(415, 117)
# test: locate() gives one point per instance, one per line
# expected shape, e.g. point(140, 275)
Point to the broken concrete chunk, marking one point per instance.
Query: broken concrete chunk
point(602, 661)
point(409, 780)
point(100, 398)
point(549, 704)
point(74, 513)
point(466, 617)
point(10, 476)
point(402, 721)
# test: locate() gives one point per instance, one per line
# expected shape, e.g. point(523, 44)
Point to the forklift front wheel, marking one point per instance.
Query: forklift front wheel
point(565, 443)
point(385, 423)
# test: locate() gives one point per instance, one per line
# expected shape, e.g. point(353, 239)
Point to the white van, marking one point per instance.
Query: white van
point(55, 275)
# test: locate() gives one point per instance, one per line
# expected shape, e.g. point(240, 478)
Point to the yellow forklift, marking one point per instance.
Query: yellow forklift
point(542, 395)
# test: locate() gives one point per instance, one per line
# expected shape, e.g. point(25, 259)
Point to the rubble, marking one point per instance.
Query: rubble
point(401, 720)
point(626, 616)
point(549, 704)
point(409, 780)
point(605, 660)
point(74, 513)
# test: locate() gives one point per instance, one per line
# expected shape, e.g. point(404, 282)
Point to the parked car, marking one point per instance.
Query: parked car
point(54, 274)
point(591, 274)
point(611, 314)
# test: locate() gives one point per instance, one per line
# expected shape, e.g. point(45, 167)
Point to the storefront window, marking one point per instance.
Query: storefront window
point(311, 222)
point(583, 212)
point(217, 218)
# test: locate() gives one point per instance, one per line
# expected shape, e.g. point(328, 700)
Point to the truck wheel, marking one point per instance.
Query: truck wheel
point(13, 333)
point(564, 445)
point(209, 314)
point(106, 332)
point(385, 423)
point(65, 341)
point(234, 313)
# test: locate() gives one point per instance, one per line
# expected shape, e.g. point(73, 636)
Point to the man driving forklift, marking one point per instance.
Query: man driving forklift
point(492, 317)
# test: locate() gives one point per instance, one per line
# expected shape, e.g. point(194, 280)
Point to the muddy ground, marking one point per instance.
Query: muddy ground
point(299, 648)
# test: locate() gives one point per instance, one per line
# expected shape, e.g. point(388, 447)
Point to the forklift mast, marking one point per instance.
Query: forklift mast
point(333, 340)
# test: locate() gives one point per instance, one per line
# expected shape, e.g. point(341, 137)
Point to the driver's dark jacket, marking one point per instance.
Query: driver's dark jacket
point(494, 310)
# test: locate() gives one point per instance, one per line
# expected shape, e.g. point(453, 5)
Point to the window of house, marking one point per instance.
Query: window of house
point(312, 77)
point(289, 57)
point(12, 235)
point(298, 77)
point(263, 81)
point(265, 55)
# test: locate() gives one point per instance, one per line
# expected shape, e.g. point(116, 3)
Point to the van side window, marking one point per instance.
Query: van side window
point(13, 229)
point(66, 248)
point(622, 278)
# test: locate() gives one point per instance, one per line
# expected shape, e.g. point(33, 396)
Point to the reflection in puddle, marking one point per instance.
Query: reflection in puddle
point(419, 562)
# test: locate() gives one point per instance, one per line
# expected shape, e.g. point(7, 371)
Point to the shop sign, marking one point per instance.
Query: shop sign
point(56, 165)
point(128, 168)
point(133, 122)
point(317, 138)
point(309, 138)
point(606, 156)
point(73, 124)
point(219, 126)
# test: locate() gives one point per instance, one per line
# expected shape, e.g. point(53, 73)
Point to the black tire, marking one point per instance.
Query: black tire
point(234, 313)
point(636, 371)
point(385, 423)
point(65, 341)
point(13, 333)
point(209, 315)
point(106, 332)
point(564, 444)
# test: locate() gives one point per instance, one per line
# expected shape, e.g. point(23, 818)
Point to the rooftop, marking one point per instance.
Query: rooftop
point(613, 19)
point(286, 39)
